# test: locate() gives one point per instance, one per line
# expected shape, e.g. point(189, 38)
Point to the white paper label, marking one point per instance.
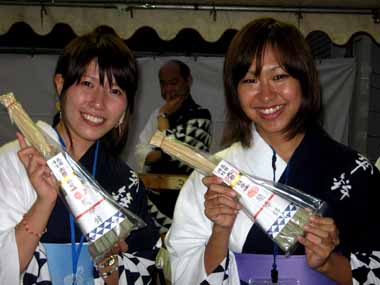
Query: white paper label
point(264, 206)
point(88, 206)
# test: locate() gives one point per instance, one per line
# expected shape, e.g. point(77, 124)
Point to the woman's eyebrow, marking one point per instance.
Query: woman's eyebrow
point(271, 68)
point(90, 76)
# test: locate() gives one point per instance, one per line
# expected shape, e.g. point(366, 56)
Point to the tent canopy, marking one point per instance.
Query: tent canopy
point(340, 20)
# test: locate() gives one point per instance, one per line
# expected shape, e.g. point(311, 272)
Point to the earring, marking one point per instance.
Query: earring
point(58, 106)
point(119, 128)
point(121, 120)
point(120, 123)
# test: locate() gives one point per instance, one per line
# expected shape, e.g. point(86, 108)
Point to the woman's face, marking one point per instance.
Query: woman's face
point(92, 109)
point(271, 99)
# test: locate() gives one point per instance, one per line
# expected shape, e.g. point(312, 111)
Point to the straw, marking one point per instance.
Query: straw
point(183, 152)
point(25, 124)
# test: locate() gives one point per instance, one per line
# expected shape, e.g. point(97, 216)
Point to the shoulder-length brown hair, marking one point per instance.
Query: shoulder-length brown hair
point(115, 60)
point(293, 54)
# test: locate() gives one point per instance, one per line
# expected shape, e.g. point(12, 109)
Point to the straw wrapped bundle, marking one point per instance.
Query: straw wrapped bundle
point(25, 124)
point(183, 152)
point(282, 219)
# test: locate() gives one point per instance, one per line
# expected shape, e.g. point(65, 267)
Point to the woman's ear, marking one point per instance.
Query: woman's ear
point(58, 81)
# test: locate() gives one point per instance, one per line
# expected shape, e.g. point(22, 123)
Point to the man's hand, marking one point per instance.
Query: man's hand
point(172, 104)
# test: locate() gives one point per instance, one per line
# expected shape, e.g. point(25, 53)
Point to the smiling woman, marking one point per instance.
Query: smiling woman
point(270, 96)
point(96, 79)
point(273, 131)
point(94, 108)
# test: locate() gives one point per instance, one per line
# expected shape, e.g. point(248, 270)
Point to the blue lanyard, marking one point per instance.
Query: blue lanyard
point(274, 271)
point(75, 252)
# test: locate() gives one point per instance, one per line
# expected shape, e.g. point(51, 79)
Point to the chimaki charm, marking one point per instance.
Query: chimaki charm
point(102, 221)
point(281, 211)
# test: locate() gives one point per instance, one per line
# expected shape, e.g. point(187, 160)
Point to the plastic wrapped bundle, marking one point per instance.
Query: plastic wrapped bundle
point(281, 211)
point(100, 218)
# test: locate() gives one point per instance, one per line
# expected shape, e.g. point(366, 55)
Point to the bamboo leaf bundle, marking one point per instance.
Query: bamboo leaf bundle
point(183, 152)
point(100, 218)
point(27, 127)
point(281, 211)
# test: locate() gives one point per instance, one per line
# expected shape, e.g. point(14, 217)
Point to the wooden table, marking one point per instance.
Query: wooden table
point(163, 181)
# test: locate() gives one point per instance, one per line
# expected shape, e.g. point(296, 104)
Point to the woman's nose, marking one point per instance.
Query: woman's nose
point(98, 98)
point(267, 92)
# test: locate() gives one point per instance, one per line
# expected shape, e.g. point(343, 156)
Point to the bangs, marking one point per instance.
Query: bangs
point(114, 60)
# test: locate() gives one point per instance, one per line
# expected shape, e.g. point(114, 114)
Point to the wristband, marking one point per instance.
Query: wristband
point(28, 227)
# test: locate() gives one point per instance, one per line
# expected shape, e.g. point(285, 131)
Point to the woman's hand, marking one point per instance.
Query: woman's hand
point(321, 238)
point(108, 267)
point(38, 171)
point(221, 206)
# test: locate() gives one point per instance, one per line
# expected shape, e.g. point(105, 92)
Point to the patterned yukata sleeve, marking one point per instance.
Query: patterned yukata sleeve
point(133, 270)
point(37, 272)
point(219, 275)
point(195, 131)
point(365, 258)
point(365, 268)
point(136, 266)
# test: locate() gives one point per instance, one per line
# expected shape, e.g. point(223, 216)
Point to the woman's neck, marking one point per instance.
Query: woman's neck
point(74, 146)
point(283, 146)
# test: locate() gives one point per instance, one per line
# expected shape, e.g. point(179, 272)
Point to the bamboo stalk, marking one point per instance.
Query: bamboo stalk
point(183, 152)
point(25, 124)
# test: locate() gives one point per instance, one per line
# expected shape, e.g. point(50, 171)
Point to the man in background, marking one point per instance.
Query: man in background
point(179, 117)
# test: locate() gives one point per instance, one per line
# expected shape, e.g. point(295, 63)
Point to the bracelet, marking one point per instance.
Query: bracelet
point(108, 262)
point(28, 229)
point(108, 273)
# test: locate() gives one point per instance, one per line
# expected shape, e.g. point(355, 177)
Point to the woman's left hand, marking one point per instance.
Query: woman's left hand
point(320, 239)
point(108, 267)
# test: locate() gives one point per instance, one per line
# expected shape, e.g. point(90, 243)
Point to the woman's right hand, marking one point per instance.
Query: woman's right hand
point(38, 172)
point(221, 206)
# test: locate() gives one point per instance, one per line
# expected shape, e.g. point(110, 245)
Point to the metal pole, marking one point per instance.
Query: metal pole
point(152, 6)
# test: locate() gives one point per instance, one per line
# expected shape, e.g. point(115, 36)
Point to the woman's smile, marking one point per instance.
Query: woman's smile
point(269, 112)
point(92, 119)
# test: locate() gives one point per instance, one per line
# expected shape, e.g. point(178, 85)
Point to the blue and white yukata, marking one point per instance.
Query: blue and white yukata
point(343, 178)
point(17, 196)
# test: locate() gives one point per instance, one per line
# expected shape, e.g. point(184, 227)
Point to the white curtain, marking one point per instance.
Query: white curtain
point(30, 78)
